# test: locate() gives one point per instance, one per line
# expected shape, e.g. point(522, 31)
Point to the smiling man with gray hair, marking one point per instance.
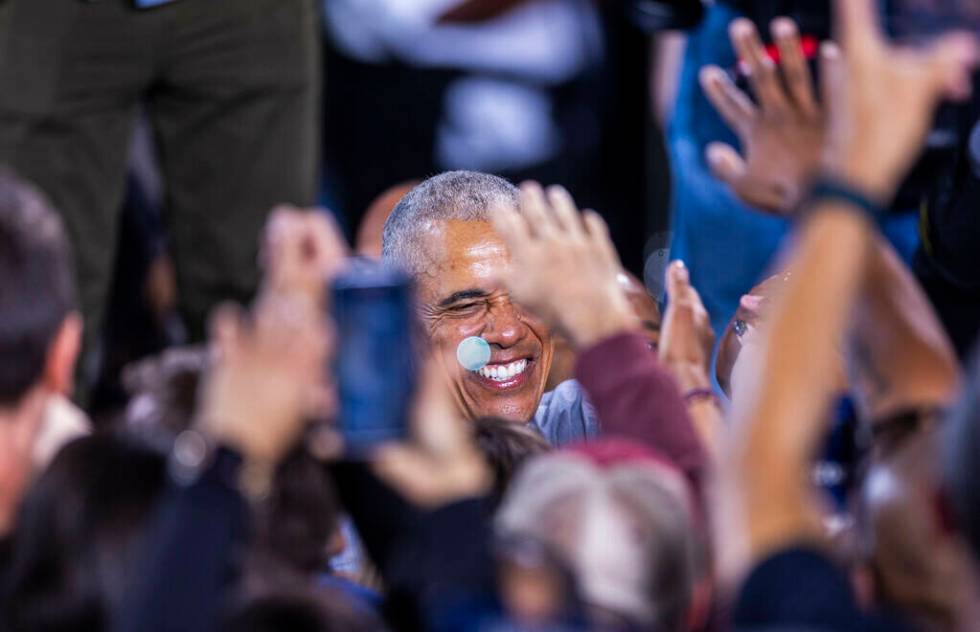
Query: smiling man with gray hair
point(441, 233)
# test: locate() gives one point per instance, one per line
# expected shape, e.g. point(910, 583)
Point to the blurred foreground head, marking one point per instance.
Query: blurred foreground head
point(77, 537)
point(919, 566)
point(440, 232)
point(620, 520)
point(37, 295)
point(40, 332)
point(368, 241)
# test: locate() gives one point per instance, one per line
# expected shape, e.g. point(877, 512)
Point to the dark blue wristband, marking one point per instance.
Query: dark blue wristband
point(828, 190)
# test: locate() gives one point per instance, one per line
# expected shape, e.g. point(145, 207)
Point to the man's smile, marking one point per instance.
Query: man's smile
point(503, 376)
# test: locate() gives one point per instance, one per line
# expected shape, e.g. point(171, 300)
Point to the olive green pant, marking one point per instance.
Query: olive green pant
point(231, 88)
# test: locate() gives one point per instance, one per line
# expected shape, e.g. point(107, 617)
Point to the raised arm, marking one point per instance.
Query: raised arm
point(254, 401)
point(900, 358)
point(565, 269)
point(881, 102)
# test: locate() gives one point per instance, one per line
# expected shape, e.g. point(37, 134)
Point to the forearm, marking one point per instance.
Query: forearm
point(779, 419)
point(638, 399)
point(703, 408)
point(430, 560)
point(191, 558)
point(900, 357)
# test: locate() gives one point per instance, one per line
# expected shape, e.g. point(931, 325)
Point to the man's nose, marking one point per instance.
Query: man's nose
point(504, 325)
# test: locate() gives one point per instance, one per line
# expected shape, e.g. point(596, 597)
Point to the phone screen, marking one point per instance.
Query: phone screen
point(375, 362)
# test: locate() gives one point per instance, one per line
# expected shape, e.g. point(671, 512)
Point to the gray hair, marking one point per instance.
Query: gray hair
point(649, 579)
point(461, 195)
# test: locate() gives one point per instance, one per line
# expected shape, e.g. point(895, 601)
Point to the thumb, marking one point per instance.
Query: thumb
point(951, 60)
point(678, 281)
point(725, 163)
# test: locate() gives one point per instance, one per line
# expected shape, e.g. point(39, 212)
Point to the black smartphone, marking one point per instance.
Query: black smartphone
point(375, 363)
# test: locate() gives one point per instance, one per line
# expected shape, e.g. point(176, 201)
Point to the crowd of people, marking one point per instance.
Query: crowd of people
point(608, 466)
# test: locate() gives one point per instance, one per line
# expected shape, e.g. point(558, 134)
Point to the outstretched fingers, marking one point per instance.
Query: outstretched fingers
point(796, 71)
point(733, 105)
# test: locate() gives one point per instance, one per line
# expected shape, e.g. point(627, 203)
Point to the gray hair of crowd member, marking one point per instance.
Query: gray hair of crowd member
point(37, 291)
point(454, 195)
point(961, 460)
point(625, 530)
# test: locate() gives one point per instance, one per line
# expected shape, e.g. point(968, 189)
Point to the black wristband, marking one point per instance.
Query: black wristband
point(826, 190)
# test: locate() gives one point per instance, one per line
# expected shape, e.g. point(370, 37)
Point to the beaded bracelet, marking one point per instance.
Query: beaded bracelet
point(700, 394)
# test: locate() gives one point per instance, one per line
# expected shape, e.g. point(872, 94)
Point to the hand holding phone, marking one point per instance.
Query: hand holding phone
point(375, 363)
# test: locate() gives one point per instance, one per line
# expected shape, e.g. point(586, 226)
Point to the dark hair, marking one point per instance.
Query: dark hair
point(462, 195)
point(78, 534)
point(301, 513)
point(272, 597)
point(37, 290)
point(506, 445)
point(163, 393)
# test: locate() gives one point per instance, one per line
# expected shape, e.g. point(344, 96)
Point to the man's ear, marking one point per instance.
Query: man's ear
point(59, 366)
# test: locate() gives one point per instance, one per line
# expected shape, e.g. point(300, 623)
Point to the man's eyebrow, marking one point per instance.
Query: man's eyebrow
point(649, 324)
point(463, 295)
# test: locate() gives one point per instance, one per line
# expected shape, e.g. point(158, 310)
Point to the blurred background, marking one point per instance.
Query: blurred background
point(575, 92)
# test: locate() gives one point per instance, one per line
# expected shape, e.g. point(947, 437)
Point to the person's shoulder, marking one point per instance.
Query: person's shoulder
point(801, 589)
point(565, 415)
point(568, 394)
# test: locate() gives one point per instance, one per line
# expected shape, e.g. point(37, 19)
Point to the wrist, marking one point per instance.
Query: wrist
point(690, 376)
point(863, 174)
point(196, 453)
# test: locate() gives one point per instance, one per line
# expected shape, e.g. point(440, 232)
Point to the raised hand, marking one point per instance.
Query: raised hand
point(686, 338)
point(563, 266)
point(782, 135)
point(881, 98)
point(441, 463)
point(257, 395)
point(301, 250)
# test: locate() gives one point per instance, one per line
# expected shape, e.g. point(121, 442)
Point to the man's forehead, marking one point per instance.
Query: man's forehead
point(461, 253)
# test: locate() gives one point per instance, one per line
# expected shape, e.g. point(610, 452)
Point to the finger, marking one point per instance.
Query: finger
point(565, 212)
point(831, 73)
point(951, 60)
point(678, 278)
point(325, 443)
point(725, 163)
point(856, 24)
point(734, 107)
point(513, 230)
point(329, 246)
point(694, 299)
point(799, 81)
point(535, 210)
point(225, 329)
point(760, 68)
point(753, 304)
point(598, 233)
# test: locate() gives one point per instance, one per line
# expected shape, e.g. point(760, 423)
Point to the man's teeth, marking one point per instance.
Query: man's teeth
point(501, 372)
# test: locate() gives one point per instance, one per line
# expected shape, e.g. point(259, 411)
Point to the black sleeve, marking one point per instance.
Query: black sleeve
point(800, 588)
point(191, 557)
point(431, 561)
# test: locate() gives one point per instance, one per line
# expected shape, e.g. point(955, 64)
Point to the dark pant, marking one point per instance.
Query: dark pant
point(231, 88)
